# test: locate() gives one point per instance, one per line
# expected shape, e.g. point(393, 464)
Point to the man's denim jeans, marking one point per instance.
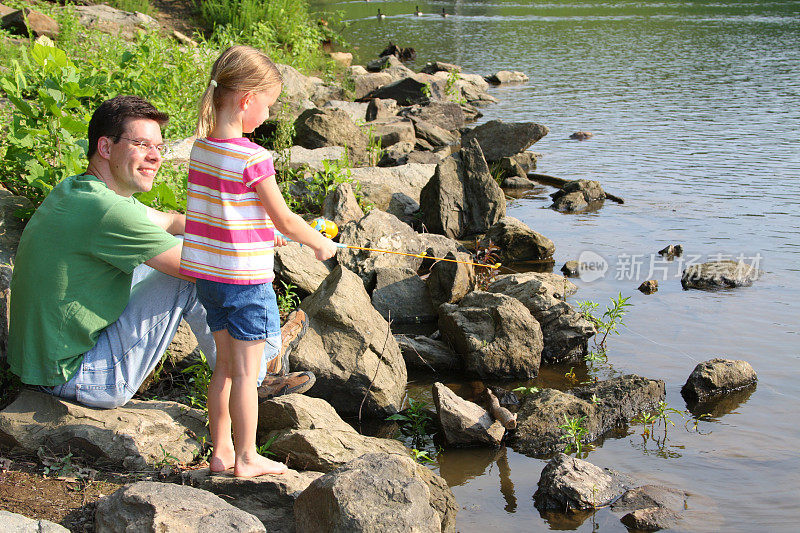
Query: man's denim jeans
point(130, 348)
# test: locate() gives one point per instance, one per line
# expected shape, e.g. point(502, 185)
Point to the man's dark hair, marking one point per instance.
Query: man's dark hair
point(109, 119)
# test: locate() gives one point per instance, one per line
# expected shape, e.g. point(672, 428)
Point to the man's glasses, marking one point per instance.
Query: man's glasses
point(145, 146)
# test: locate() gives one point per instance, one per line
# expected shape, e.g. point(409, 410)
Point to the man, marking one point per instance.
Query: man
point(96, 293)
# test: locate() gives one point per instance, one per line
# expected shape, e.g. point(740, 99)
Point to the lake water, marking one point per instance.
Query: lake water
point(695, 110)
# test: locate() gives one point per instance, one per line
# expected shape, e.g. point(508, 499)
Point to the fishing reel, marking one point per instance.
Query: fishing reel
point(327, 227)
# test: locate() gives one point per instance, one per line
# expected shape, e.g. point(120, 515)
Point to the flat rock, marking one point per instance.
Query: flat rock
point(507, 76)
point(350, 349)
point(16, 523)
point(446, 115)
point(392, 131)
point(270, 498)
point(568, 484)
point(718, 377)
point(133, 437)
point(368, 82)
point(298, 411)
point(719, 274)
point(495, 335)
point(315, 158)
point(376, 493)
point(317, 128)
point(325, 450)
point(356, 110)
point(499, 139)
point(151, 506)
point(465, 423)
point(417, 89)
point(648, 496)
point(114, 21)
point(577, 195)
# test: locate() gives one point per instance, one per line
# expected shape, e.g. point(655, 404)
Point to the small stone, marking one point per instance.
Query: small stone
point(649, 287)
point(570, 269)
point(650, 519)
point(568, 483)
point(581, 135)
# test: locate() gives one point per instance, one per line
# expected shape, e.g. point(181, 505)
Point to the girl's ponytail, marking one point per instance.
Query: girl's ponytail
point(205, 111)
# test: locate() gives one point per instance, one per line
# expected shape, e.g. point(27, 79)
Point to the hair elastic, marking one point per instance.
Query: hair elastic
point(213, 83)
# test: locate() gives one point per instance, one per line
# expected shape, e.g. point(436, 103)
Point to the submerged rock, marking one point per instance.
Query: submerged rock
point(650, 519)
point(649, 287)
point(577, 195)
point(464, 423)
point(719, 274)
point(581, 135)
point(717, 377)
point(507, 76)
point(495, 335)
point(571, 269)
point(605, 405)
point(651, 507)
point(568, 483)
point(151, 506)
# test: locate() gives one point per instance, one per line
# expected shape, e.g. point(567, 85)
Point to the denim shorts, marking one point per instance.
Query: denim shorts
point(248, 312)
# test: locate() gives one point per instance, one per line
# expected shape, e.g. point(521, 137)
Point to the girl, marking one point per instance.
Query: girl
point(233, 206)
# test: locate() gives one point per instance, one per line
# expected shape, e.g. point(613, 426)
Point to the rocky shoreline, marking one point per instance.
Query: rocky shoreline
point(433, 186)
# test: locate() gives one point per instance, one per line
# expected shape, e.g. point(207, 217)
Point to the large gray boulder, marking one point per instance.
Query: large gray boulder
point(324, 450)
point(518, 242)
point(341, 205)
point(13, 522)
point(375, 493)
point(392, 131)
point(133, 437)
point(578, 195)
point(270, 498)
point(424, 353)
point(499, 139)
point(717, 377)
point(385, 187)
point(350, 349)
point(383, 231)
point(299, 266)
point(605, 405)
point(356, 110)
point(317, 128)
point(719, 275)
point(401, 296)
point(568, 484)
point(464, 423)
point(566, 332)
point(495, 335)
point(381, 109)
point(148, 506)
point(113, 21)
point(462, 198)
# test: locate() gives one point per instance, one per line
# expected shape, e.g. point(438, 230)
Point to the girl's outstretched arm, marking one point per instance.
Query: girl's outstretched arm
point(291, 224)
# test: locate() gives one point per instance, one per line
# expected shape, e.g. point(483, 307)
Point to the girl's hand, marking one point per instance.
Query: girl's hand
point(280, 241)
point(326, 250)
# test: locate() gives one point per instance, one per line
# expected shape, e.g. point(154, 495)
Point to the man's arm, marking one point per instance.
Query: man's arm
point(173, 223)
point(169, 262)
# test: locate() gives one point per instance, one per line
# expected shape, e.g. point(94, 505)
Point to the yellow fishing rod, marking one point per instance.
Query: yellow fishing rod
point(328, 228)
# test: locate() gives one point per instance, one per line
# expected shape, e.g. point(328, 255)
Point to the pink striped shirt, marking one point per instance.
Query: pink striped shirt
point(229, 238)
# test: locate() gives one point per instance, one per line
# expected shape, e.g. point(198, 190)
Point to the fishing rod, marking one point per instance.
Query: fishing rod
point(329, 229)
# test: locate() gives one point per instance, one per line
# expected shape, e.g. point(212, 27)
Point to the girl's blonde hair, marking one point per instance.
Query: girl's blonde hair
point(239, 68)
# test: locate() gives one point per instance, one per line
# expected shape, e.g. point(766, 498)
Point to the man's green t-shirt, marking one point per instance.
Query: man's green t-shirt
point(72, 275)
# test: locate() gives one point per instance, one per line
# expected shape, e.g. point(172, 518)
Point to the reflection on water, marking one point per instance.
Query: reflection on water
point(694, 106)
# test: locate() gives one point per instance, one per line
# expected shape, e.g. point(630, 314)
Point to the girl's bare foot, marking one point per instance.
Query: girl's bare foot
point(220, 462)
point(256, 465)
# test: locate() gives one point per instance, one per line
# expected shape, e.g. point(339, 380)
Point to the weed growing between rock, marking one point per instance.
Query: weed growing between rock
point(574, 432)
point(288, 300)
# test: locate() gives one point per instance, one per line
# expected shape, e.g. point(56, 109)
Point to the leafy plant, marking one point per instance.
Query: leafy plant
point(526, 390)
point(288, 299)
point(374, 149)
point(421, 456)
point(200, 373)
point(660, 415)
point(415, 420)
point(609, 321)
point(264, 448)
point(570, 375)
point(451, 88)
point(427, 90)
point(167, 459)
point(574, 432)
